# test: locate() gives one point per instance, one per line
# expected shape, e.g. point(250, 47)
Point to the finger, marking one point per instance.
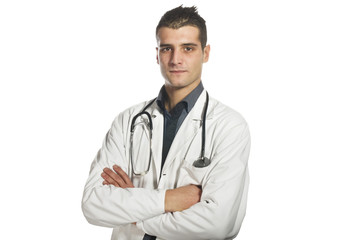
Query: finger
point(108, 180)
point(113, 178)
point(105, 182)
point(124, 176)
point(121, 173)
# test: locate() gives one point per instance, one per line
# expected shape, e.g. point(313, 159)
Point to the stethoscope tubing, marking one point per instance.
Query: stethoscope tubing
point(199, 163)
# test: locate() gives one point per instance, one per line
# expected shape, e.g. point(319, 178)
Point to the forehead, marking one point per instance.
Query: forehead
point(186, 34)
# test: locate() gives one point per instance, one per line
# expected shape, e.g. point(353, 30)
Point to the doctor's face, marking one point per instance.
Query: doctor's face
point(180, 56)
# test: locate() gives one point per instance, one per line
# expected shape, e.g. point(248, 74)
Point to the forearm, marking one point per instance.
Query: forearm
point(182, 198)
point(217, 216)
point(111, 206)
point(128, 201)
point(220, 212)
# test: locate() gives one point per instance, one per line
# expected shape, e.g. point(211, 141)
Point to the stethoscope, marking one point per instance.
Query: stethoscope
point(201, 162)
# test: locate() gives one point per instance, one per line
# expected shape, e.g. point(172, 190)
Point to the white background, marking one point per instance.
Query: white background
point(292, 68)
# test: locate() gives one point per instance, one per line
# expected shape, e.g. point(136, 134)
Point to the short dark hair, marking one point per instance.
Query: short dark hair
point(184, 16)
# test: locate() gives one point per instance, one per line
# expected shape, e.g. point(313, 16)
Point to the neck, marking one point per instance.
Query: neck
point(175, 95)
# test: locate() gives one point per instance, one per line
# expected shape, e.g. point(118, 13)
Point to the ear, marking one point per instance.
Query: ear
point(206, 51)
point(157, 55)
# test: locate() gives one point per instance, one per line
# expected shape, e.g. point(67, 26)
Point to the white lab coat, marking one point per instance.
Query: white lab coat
point(224, 182)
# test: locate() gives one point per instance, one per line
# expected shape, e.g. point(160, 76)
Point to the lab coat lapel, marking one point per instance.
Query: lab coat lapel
point(187, 131)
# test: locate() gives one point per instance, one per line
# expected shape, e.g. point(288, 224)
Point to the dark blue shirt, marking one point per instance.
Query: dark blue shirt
point(182, 108)
point(174, 119)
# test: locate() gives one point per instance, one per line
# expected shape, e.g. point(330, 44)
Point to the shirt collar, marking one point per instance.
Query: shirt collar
point(189, 101)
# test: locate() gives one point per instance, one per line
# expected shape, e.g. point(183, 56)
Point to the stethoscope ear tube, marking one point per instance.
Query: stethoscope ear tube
point(139, 114)
point(146, 113)
point(204, 126)
point(150, 125)
point(203, 161)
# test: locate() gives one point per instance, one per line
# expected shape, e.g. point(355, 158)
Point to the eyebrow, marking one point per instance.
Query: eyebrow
point(190, 44)
point(183, 44)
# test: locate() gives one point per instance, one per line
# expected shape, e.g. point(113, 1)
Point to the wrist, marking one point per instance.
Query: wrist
point(168, 200)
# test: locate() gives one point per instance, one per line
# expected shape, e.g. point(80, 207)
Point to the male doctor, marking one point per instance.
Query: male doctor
point(178, 196)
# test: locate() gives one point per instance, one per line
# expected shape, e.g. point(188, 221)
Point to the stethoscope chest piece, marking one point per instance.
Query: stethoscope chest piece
point(201, 162)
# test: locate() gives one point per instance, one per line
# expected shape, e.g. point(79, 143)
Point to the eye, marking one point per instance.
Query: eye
point(165, 49)
point(188, 49)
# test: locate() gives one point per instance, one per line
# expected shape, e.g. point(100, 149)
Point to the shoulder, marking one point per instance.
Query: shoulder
point(224, 114)
point(228, 126)
point(124, 117)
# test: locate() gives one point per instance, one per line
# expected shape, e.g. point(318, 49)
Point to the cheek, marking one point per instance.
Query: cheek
point(196, 65)
point(163, 59)
point(163, 67)
point(161, 62)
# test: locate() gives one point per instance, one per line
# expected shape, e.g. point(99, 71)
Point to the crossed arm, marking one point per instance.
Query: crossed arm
point(214, 212)
point(176, 200)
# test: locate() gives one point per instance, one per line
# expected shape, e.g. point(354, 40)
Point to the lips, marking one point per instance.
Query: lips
point(177, 71)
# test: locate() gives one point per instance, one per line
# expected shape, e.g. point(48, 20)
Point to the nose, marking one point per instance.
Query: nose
point(176, 57)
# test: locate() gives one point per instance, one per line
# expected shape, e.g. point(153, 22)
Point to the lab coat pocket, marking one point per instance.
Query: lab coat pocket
point(192, 175)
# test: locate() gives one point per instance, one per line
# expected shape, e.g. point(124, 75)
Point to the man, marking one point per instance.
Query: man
point(180, 195)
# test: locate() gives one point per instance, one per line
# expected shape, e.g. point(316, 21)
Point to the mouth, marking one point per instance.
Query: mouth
point(177, 71)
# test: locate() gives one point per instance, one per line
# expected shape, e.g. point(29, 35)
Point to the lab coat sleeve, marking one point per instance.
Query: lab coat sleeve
point(111, 206)
point(220, 212)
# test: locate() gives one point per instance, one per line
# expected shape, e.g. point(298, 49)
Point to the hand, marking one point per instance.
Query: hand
point(182, 198)
point(117, 178)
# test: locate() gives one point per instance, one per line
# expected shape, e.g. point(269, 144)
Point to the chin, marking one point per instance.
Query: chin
point(176, 83)
point(176, 86)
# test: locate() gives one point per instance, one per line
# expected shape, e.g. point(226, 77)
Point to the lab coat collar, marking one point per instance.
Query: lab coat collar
point(196, 113)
